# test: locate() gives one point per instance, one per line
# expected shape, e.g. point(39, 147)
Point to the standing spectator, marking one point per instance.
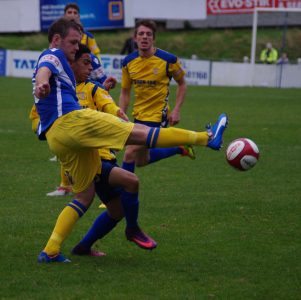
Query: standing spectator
point(269, 55)
point(283, 59)
point(129, 46)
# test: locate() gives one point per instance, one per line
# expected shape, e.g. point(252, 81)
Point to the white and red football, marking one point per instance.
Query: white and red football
point(242, 154)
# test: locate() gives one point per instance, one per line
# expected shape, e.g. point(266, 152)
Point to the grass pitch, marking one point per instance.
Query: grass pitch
point(221, 233)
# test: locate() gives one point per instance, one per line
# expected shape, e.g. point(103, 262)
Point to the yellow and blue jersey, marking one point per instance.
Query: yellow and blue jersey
point(91, 95)
point(89, 40)
point(150, 77)
point(97, 74)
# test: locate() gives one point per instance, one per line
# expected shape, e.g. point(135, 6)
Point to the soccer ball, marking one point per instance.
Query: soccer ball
point(242, 154)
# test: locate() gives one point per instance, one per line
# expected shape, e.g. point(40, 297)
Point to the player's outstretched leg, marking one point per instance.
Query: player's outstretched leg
point(216, 131)
point(172, 136)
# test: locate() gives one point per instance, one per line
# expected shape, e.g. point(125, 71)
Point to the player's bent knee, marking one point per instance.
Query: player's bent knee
point(86, 197)
point(132, 183)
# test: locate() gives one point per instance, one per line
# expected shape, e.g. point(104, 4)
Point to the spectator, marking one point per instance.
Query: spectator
point(246, 59)
point(283, 59)
point(129, 46)
point(269, 55)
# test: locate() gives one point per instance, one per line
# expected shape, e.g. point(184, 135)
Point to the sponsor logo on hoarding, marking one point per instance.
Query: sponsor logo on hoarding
point(24, 63)
point(215, 7)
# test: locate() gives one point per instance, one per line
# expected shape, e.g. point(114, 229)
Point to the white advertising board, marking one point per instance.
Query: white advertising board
point(197, 71)
point(22, 63)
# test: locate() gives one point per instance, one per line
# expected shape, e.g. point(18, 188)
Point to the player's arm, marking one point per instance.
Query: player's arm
point(105, 103)
point(113, 109)
point(174, 117)
point(124, 99)
point(42, 86)
point(125, 93)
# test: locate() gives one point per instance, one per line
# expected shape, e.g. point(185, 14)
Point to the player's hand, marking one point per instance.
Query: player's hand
point(42, 90)
point(122, 115)
point(110, 83)
point(174, 118)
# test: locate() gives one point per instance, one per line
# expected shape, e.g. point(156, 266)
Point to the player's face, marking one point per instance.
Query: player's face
point(82, 67)
point(72, 14)
point(69, 44)
point(144, 38)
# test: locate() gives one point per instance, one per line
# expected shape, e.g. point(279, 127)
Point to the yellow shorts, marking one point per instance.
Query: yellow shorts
point(76, 137)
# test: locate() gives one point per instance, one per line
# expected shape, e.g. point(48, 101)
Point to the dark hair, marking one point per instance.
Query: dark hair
point(147, 23)
point(71, 5)
point(62, 27)
point(82, 49)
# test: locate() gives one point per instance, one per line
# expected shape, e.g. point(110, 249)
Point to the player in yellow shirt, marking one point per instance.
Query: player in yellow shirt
point(150, 71)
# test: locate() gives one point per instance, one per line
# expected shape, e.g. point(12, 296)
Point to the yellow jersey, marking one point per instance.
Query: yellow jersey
point(89, 40)
point(91, 95)
point(150, 77)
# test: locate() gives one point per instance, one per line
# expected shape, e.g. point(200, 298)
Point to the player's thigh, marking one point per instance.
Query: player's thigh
point(81, 167)
point(104, 131)
point(125, 179)
point(87, 128)
point(104, 190)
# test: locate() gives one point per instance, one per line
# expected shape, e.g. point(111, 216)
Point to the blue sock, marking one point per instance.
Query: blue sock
point(157, 154)
point(128, 166)
point(101, 226)
point(130, 204)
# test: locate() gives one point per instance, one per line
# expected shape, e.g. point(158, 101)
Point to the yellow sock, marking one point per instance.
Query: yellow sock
point(169, 137)
point(63, 227)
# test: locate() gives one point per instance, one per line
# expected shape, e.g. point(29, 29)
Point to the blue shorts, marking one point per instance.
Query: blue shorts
point(162, 124)
point(103, 189)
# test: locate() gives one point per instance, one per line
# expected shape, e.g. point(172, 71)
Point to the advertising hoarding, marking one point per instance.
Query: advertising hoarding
point(94, 14)
point(2, 62)
point(222, 7)
point(22, 64)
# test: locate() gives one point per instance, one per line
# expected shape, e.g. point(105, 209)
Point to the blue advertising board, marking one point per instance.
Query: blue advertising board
point(2, 62)
point(94, 14)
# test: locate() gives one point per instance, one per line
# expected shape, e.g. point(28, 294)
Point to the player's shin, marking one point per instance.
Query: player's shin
point(130, 204)
point(64, 225)
point(169, 137)
point(101, 227)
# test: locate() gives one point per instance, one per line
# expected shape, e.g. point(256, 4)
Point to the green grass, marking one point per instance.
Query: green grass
point(213, 44)
point(221, 233)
